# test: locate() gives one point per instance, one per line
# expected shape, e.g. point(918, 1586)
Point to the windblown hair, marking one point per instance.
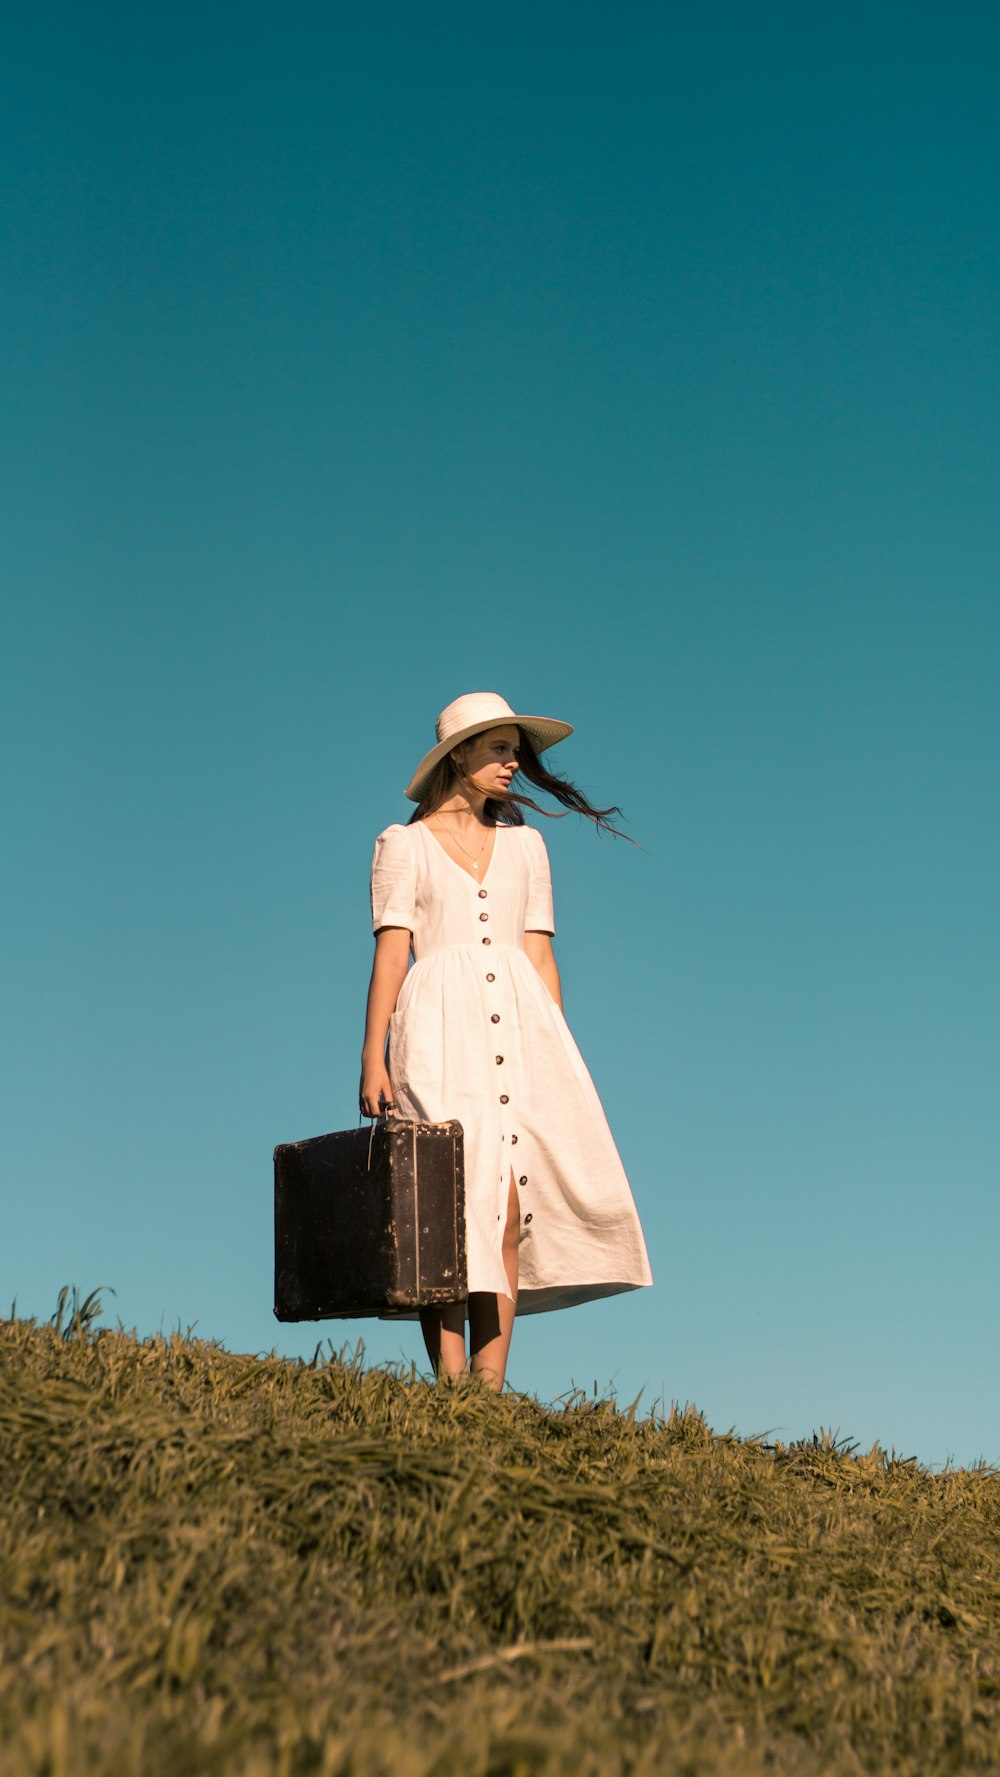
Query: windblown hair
point(508, 810)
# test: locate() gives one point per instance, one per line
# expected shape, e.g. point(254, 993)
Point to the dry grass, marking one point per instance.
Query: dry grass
point(225, 1564)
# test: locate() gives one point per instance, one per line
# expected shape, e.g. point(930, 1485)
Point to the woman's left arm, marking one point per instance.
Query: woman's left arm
point(538, 950)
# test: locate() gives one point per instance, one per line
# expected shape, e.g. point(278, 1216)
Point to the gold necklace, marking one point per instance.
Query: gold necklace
point(475, 856)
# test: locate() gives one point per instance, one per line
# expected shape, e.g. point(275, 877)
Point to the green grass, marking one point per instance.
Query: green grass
point(224, 1564)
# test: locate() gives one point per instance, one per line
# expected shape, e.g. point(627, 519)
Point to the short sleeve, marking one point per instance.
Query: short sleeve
point(394, 879)
point(539, 916)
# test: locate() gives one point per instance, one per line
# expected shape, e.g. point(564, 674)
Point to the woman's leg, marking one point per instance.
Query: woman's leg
point(491, 1318)
point(444, 1337)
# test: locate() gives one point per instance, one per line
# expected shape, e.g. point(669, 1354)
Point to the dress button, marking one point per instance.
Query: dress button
point(484, 916)
point(499, 1061)
point(490, 977)
point(494, 1018)
point(524, 1180)
point(504, 1099)
point(482, 894)
point(527, 1218)
point(485, 940)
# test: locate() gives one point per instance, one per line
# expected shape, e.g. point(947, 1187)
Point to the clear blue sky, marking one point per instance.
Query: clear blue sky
point(639, 363)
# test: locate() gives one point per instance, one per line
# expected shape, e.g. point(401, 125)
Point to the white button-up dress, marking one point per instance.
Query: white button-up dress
point(476, 1036)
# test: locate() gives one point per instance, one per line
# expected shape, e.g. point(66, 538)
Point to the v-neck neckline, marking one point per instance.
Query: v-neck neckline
point(472, 876)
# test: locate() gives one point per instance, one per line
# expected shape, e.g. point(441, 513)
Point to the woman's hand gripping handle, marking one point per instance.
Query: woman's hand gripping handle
point(375, 1092)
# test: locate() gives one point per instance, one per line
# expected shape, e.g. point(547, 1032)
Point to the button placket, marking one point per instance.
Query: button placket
point(506, 1133)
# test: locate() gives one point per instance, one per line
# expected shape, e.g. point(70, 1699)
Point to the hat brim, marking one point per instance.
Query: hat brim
point(544, 732)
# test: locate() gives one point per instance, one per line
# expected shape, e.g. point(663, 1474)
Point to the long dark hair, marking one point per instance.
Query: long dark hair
point(448, 775)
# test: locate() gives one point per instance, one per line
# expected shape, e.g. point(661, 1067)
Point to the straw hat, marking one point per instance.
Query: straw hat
point(473, 714)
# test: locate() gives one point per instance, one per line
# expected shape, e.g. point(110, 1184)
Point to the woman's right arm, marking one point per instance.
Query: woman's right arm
point(392, 959)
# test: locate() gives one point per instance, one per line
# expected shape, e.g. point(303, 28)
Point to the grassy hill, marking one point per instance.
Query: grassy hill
point(215, 1564)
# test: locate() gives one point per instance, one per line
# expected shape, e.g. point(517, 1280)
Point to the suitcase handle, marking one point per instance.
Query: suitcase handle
point(389, 1110)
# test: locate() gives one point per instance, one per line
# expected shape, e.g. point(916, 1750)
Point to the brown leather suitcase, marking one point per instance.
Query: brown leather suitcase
point(369, 1221)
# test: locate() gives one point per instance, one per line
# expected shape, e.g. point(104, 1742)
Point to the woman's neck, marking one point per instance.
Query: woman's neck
point(464, 811)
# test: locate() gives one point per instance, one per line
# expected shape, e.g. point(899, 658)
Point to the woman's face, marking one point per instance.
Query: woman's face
point(491, 758)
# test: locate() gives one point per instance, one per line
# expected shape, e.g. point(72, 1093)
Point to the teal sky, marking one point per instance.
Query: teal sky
point(640, 364)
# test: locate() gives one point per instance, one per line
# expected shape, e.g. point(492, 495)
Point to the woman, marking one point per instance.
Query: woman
point(476, 1033)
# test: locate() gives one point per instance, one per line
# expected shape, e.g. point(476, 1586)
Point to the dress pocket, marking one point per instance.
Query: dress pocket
point(397, 1046)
